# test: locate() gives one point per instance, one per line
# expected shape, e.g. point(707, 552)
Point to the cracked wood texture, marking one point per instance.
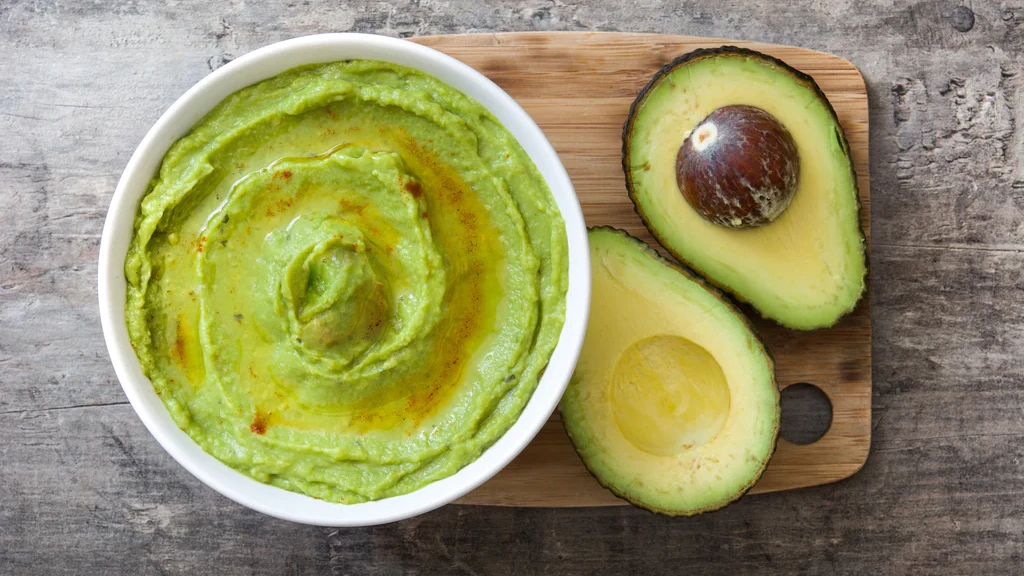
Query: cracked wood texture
point(85, 489)
point(546, 73)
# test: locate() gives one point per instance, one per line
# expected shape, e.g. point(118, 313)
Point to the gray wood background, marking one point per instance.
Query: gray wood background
point(85, 489)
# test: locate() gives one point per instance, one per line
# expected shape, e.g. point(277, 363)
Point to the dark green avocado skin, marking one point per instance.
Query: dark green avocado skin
point(734, 51)
point(771, 361)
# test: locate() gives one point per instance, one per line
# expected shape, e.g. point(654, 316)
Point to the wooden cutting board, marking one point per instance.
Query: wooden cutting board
point(578, 86)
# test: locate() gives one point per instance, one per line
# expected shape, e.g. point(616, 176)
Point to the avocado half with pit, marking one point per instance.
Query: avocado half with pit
point(739, 167)
point(673, 405)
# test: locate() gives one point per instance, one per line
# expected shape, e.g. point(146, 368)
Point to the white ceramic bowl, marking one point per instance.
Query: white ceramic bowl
point(178, 120)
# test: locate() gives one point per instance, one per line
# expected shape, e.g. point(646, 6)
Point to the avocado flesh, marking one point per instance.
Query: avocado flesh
point(673, 405)
point(806, 269)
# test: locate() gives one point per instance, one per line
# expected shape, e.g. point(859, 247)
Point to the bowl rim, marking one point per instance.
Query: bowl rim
point(178, 120)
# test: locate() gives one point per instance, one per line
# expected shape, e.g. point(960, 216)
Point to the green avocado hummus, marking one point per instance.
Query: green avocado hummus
point(346, 280)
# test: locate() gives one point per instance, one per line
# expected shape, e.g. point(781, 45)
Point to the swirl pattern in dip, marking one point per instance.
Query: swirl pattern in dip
point(346, 280)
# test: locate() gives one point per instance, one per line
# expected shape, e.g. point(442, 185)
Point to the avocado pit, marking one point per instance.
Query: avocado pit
point(739, 167)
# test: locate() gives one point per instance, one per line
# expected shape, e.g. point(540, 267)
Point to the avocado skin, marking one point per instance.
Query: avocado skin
point(804, 79)
point(689, 274)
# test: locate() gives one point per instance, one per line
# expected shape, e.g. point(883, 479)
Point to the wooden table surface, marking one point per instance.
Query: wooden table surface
point(84, 488)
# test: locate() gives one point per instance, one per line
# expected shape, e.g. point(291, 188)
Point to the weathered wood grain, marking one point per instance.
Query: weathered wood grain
point(87, 490)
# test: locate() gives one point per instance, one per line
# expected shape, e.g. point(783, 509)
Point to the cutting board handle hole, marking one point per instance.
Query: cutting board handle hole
point(806, 413)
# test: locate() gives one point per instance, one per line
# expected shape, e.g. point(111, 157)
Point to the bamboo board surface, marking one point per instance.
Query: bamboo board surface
point(578, 87)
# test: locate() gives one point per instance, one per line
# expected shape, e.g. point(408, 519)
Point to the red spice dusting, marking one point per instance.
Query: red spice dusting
point(414, 188)
point(179, 344)
point(348, 206)
point(259, 423)
point(284, 204)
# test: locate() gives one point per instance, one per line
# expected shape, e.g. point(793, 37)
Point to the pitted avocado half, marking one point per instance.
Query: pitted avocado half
point(673, 405)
